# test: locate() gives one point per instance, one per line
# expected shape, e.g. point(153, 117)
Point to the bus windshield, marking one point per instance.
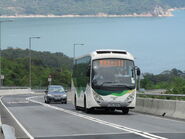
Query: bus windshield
point(113, 73)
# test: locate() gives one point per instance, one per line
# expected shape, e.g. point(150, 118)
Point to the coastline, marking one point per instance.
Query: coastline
point(83, 16)
point(168, 13)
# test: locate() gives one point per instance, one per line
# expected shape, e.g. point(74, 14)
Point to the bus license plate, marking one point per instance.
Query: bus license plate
point(113, 105)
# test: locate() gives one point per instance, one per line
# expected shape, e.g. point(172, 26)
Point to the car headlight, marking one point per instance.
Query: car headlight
point(49, 95)
point(97, 97)
point(64, 95)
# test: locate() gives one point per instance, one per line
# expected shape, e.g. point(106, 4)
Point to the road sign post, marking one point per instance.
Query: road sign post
point(49, 79)
point(1, 78)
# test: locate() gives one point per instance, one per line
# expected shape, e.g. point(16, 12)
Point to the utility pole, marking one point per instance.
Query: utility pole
point(1, 21)
point(74, 49)
point(30, 39)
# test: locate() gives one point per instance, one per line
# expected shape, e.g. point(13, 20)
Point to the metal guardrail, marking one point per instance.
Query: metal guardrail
point(9, 88)
point(38, 90)
point(158, 94)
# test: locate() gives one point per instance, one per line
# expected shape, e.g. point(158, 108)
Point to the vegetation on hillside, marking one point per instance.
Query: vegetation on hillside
point(86, 7)
point(15, 68)
point(173, 81)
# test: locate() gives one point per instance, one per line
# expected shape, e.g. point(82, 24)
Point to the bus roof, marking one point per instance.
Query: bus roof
point(109, 53)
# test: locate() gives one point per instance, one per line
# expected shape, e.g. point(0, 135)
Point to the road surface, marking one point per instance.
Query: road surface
point(41, 121)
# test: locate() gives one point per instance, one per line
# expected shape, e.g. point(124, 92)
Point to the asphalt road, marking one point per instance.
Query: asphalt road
point(40, 120)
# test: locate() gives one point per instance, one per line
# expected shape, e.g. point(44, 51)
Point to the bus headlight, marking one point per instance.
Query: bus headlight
point(97, 97)
point(130, 98)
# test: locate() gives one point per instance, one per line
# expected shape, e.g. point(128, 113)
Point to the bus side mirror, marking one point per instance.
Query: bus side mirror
point(138, 71)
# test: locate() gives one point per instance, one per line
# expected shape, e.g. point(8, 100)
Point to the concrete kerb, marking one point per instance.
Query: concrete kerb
point(179, 110)
point(148, 105)
point(168, 108)
point(10, 121)
point(139, 105)
point(154, 106)
point(165, 107)
point(8, 132)
point(14, 91)
point(0, 122)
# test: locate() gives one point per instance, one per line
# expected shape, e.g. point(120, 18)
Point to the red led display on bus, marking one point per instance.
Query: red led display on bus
point(111, 63)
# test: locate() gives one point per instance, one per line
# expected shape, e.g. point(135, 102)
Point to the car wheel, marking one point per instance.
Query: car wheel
point(48, 101)
point(111, 110)
point(45, 100)
point(125, 110)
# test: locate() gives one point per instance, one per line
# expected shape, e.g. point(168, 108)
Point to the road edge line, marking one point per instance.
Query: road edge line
point(20, 125)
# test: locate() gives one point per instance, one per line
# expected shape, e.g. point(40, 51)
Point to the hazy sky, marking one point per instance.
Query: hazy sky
point(157, 43)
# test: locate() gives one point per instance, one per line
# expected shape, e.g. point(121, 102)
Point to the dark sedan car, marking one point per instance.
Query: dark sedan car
point(55, 93)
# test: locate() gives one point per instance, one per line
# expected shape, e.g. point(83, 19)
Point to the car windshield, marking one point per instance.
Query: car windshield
point(113, 73)
point(59, 89)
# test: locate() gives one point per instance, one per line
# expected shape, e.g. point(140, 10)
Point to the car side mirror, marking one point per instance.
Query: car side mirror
point(65, 91)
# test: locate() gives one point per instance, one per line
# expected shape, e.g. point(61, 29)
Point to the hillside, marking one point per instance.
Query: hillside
point(171, 80)
point(15, 68)
point(46, 59)
point(88, 7)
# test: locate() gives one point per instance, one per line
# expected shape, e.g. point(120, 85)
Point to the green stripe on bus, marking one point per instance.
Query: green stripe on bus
point(120, 94)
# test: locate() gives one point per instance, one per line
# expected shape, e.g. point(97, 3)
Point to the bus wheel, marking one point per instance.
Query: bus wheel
point(85, 106)
point(125, 110)
point(76, 107)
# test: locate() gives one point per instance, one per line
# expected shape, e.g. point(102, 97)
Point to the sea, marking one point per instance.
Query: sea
point(157, 43)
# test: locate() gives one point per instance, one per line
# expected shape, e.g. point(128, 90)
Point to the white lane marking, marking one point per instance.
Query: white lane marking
point(0, 122)
point(130, 130)
point(94, 134)
point(21, 126)
point(18, 102)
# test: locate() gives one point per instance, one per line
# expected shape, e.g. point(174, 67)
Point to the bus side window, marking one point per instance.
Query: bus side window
point(88, 71)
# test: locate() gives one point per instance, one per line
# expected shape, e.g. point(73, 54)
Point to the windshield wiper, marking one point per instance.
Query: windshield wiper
point(56, 91)
point(107, 83)
point(117, 84)
point(125, 86)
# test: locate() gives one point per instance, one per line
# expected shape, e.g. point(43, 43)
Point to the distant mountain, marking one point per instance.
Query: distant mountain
point(174, 72)
point(88, 7)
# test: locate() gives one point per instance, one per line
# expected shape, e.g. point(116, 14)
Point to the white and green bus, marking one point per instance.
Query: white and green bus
point(105, 79)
